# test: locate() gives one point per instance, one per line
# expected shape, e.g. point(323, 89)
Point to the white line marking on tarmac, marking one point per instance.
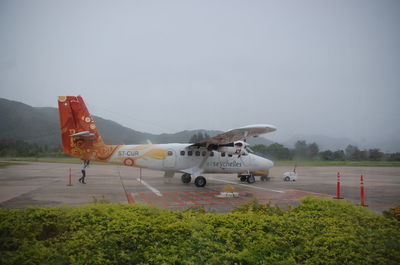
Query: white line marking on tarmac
point(156, 191)
point(248, 186)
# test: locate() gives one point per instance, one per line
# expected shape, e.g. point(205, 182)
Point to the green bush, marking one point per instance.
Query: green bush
point(393, 213)
point(315, 232)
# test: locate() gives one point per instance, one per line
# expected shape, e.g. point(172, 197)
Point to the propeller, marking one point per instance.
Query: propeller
point(248, 149)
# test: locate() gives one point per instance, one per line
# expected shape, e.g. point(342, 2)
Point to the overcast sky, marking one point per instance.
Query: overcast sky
point(308, 67)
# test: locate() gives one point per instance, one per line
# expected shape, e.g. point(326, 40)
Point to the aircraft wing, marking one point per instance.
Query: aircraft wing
point(237, 134)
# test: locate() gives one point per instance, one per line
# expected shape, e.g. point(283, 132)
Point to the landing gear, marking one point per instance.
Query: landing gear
point(249, 178)
point(200, 181)
point(186, 178)
point(264, 178)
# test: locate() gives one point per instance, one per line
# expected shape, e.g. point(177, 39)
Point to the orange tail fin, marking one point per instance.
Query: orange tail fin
point(80, 137)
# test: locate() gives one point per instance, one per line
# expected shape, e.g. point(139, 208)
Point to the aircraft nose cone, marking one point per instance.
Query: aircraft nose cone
point(269, 163)
point(264, 163)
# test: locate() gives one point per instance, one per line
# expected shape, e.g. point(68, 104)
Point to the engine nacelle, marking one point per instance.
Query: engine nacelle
point(236, 148)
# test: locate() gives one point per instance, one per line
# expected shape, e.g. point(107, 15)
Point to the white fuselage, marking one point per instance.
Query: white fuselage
point(187, 158)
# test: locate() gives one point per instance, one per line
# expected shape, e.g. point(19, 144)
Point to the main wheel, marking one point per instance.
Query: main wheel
point(287, 178)
point(251, 179)
point(186, 178)
point(243, 178)
point(200, 181)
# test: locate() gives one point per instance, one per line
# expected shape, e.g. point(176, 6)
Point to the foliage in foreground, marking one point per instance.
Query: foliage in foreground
point(393, 213)
point(315, 232)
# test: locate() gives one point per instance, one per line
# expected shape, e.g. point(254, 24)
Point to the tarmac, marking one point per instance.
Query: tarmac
point(46, 184)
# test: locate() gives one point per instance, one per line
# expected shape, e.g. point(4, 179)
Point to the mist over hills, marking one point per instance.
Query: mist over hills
point(41, 125)
point(391, 145)
point(324, 142)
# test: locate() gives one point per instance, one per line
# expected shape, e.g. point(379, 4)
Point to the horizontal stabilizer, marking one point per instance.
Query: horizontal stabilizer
point(84, 134)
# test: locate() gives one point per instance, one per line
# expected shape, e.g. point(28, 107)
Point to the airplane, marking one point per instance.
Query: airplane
point(227, 152)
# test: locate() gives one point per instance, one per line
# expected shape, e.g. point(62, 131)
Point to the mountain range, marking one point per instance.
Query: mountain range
point(41, 125)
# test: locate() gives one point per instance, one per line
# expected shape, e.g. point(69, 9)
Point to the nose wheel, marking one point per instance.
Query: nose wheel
point(264, 178)
point(249, 178)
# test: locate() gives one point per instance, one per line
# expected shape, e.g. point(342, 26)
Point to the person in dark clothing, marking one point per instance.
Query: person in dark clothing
point(84, 166)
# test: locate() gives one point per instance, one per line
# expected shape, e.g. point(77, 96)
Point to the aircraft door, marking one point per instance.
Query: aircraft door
point(223, 160)
point(170, 160)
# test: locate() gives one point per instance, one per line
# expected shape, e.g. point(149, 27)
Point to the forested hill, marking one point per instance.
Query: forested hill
point(23, 122)
point(41, 125)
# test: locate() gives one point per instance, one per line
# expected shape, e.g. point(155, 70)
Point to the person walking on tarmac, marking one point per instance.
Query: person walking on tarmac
point(84, 166)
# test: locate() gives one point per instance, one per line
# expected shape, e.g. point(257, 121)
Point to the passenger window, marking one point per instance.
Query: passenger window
point(211, 153)
point(190, 153)
point(197, 153)
point(170, 153)
point(230, 155)
point(203, 153)
point(223, 154)
point(182, 153)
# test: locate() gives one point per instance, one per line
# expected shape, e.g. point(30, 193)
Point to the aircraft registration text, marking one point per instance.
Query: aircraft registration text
point(128, 153)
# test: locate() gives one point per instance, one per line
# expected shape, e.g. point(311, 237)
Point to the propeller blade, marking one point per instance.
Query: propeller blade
point(249, 150)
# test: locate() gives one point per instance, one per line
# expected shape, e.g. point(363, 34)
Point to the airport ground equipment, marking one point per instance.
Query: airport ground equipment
point(290, 175)
point(338, 187)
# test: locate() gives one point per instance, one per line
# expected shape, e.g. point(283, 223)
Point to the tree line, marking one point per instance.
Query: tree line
point(20, 148)
point(199, 137)
point(311, 151)
point(301, 151)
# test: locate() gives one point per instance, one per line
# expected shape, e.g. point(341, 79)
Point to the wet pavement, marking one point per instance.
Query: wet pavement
point(46, 184)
